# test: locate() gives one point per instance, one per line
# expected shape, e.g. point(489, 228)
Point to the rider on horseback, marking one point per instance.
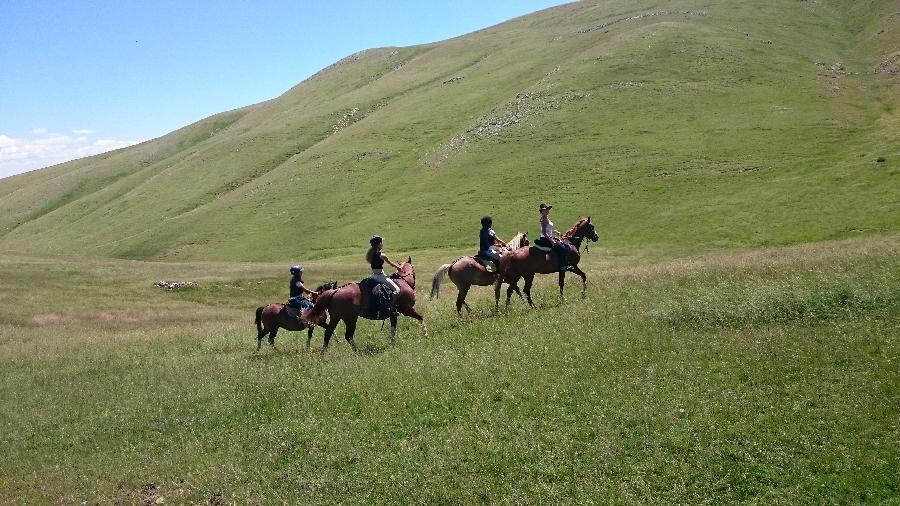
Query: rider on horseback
point(376, 260)
point(487, 245)
point(297, 286)
point(298, 289)
point(551, 237)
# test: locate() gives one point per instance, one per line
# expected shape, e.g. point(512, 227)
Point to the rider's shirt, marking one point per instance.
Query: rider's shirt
point(546, 227)
point(377, 262)
point(296, 286)
point(486, 239)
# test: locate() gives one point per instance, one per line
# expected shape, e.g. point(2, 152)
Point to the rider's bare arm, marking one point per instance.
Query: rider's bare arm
point(388, 260)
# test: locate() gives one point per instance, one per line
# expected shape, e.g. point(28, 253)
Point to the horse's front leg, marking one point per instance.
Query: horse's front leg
point(309, 334)
point(583, 277)
point(412, 313)
point(562, 284)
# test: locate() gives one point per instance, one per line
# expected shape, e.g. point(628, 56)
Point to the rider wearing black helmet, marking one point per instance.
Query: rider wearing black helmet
point(487, 242)
point(297, 289)
point(297, 286)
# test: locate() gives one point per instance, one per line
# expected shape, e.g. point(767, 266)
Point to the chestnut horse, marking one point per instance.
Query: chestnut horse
point(526, 262)
point(467, 271)
point(271, 317)
point(347, 304)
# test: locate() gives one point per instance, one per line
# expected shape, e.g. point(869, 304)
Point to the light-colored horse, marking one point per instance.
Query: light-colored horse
point(467, 271)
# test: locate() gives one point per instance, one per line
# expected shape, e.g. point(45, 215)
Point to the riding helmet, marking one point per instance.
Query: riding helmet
point(375, 240)
point(486, 221)
point(296, 269)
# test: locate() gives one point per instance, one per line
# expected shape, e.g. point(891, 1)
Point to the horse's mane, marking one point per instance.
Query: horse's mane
point(516, 242)
point(571, 231)
point(327, 286)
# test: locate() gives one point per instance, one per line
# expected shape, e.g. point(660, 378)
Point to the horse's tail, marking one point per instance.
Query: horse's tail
point(259, 312)
point(323, 302)
point(436, 282)
point(438, 276)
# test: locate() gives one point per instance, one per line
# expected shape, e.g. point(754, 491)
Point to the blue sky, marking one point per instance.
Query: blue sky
point(82, 77)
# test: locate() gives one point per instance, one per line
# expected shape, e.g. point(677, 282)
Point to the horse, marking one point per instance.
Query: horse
point(347, 303)
point(271, 317)
point(467, 271)
point(526, 262)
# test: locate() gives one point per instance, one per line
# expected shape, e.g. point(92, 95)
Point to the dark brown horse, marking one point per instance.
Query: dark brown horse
point(346, 304)
point(466, 271)
point(526, 262)
point(272, 317)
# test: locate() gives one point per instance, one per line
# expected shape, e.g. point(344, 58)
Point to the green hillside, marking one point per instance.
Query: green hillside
point(679, 126)
point(737, 341)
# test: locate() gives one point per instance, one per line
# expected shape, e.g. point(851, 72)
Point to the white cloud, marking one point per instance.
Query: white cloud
point(82, 131)
point(45, 148)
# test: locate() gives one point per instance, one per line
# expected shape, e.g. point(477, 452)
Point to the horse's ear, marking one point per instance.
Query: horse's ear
point(409, 260)
point(589, 219)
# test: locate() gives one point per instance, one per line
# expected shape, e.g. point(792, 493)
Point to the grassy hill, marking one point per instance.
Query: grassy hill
point(679, 126)
point(738, 341)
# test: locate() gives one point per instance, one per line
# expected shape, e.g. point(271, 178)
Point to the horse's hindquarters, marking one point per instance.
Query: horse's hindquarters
point(468, 272)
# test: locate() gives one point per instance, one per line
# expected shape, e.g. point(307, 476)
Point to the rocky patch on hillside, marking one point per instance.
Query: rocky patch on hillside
point(607, 24)
point(525, 105)
point(890, 65)
point(175, 285)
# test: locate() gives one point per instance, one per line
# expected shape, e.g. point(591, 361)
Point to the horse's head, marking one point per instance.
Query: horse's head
point(589, 230)
point(407, 273)
point(584, 228)
point(321, 288)
point(519, 241)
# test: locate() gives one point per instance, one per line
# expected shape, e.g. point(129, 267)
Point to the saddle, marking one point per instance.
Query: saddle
point(542, 244)
point(378, 297)
point(489, 264)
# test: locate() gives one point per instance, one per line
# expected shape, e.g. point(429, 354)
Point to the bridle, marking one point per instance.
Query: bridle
point(404, 276)
point(576, 232)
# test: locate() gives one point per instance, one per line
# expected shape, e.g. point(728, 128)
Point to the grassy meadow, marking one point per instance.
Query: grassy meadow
point(738, 341)
point(747, 376)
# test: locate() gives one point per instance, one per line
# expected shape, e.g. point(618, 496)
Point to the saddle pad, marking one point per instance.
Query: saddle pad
point(379, 297)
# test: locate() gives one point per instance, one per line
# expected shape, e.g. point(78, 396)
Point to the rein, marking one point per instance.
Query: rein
point(403, 277)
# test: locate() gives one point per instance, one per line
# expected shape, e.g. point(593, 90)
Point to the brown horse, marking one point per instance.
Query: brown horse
point(346, 304)
point(467, 271)
point(526, 262)
point(271, 317)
